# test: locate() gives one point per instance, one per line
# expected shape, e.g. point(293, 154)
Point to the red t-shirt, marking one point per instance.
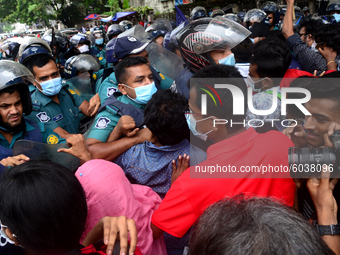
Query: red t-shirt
point(189, 197)
point(291, 75)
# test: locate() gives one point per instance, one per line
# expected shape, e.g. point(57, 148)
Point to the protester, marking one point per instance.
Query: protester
point(50, 199)
point(183, 205)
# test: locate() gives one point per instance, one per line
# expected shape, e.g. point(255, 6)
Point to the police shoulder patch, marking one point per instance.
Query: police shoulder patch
point(162, 76)
point(111, 90)
point(43, 117)
point(52, 139)
point(102, 122)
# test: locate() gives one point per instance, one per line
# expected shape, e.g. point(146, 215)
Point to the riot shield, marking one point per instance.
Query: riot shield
point(165, 61)
point(35, 150)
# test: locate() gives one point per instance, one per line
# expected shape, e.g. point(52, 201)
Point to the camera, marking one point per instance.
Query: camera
point(309, 162)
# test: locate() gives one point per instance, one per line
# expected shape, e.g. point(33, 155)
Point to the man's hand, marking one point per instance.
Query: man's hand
point(145, 135)
point(183, 164)
point(328, 53)
point(126, 126)
point(94, 105)
point(78, 148)
point(14, 161)
point(321, 191)
point(332, 127)
point(108, 229)
point(297, 134)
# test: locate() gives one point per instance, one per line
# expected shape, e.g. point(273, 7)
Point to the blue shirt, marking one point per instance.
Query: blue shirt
point(150, 165)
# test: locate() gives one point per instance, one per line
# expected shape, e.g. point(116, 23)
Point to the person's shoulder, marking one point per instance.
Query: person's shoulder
point(275, 138)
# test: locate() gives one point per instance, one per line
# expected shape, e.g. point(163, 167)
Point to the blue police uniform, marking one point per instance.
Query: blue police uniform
point(66, 114)
point(110, 85)
point(36, 132)
point(100, 54)
point(110, 113)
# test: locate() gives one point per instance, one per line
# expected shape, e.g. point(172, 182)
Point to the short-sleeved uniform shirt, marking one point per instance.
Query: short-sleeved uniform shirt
point(110, 86)
point(64, 115)
point(189, 197)
point(107, 120)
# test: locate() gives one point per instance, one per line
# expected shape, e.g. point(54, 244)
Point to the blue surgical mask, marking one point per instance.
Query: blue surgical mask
point(100, 41)
point(337, 17)
point(192, 126)
point(252, 40)
point(229, 60)
point(51, 87)
point(143, 93)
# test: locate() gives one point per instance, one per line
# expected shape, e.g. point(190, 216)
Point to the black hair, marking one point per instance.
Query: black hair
point(243, 51)
point(164, 115)
point(312, 26)
point(15, 51)
point(44, 205)
point(276, 34)
point(243, 225)
point(272, 57)
point(292, 110)
point(225, 111)
point(120, 70)
point(329, 34)
point(39, 61)
point(326, 87)
point(11, 89)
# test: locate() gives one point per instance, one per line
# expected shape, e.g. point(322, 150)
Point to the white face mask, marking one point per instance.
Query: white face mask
point(192, 126)
point(251, 83)
point(84, 48)
point(4, 236)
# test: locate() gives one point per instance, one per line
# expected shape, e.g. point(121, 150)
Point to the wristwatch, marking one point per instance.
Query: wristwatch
point(328, 229)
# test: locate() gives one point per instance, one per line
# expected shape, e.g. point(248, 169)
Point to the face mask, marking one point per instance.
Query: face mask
point(100, 41)
point(7, 52)
point(143, 93)
point(84, 48)
point(229, 60)
point(252, 40)
point(250, 83)
point(337, 17)
point(192, 126)
point(51, 87)
point(313, 47)
point(4, 236)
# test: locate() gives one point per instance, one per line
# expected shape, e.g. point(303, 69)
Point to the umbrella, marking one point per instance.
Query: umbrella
point(120, 15)
point(92, 16)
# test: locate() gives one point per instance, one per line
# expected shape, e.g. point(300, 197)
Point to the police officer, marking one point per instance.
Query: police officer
point(113, 31)
point(273, 11)
point(53, 104)
point(15, 106)
point(198, 12)
point(58, 42)
point(99, 48)
point(135, 88)
point(197, 53)
point(120, 48)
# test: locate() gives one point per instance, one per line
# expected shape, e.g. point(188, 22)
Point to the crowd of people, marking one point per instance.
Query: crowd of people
point(218, 136)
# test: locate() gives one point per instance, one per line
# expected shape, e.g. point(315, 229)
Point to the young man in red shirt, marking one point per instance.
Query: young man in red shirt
point(235, 147)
